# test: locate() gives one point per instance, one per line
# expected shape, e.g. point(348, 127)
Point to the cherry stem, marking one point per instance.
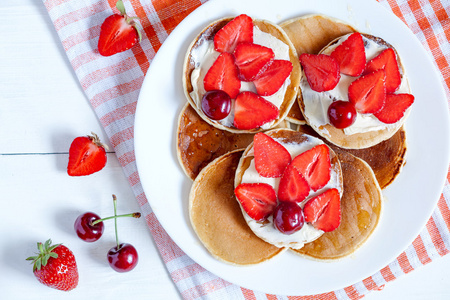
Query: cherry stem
point(134, 215)
point(115, 220)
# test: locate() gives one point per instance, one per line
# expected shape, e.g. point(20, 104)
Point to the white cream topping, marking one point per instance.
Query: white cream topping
point(204, 56)
point(317, 103)
point(267, 231)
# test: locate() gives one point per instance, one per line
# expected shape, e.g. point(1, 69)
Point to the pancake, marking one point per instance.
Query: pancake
point(386, 158)
point(309, 34)
point(208, 35)
point(361, 207)
point(199, 143)
point(217, 219)
point(301, 142)
point(318, 34)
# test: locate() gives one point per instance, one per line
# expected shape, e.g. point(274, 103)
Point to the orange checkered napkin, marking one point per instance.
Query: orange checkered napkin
point(112, 86)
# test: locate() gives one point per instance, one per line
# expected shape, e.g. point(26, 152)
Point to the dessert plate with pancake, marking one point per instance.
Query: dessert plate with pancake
point(408, 201)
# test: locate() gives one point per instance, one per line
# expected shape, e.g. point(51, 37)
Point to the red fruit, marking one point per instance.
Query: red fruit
point(368, 92)
point(271, 158)
point(386, 61)
point(351, 55)
point(288, 217)
point(341, 114)
point(315, 166)
point(55, 266)
point(270, 80)
point(118, 33)
point(251, 59)
point(324, 210)
point(86, 229)
point(238, 30)
point(394, 107)
point(321, 71)
point(87, 155)
point(223, 75)
point(257, 199)
point(123, 258)
point(216, 104)
point(251, 111)
point(293, 186)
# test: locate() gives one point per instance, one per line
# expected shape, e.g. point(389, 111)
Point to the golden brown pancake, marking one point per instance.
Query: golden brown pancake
point(386, 158)
point(217, 219)
point(314, 34)
point(199, 143)
point(361, 207)
point(208, 34)
point(289, 137)
point(309, 34)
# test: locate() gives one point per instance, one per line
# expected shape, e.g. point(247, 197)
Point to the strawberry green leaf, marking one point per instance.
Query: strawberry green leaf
point(120, 7)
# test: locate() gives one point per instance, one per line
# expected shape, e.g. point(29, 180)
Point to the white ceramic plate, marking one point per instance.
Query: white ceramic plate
point(410, 200)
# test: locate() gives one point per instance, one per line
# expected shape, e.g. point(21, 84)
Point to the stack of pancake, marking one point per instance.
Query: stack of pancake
point(209, 154)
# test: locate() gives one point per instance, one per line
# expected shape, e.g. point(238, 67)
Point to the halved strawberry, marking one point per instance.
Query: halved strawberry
point(257, 199)
point(223, 75)
point(324, 210)
point(293, 186)
point(271, 158)
point(252, 111)
point(238, 30)
point(272, 78)
point(368, 92)
point(386, 61)
point(87, 155)
point(351, 55)
point(394, 107)
point(251, 59)
point(322, 71)
point(315, 166)
point(118, 32)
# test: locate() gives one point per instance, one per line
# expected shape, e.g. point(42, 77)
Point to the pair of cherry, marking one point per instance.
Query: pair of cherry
point(89, 227)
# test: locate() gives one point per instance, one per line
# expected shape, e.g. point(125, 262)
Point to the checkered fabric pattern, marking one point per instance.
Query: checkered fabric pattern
point(112, 86)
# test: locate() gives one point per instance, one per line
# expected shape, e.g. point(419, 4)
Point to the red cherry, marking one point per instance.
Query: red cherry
point(86, 230)
point(123, 258)
point(288, 217)
point(216, 104)
point(342, 114)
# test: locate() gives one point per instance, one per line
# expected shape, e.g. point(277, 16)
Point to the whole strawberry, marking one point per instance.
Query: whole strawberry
point(55, 266)
point(87, 155)
point(118, 32)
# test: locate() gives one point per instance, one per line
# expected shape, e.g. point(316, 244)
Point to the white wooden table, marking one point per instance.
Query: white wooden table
point(42, 109)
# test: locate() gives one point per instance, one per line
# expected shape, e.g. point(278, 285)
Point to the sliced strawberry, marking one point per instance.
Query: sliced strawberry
point(87, 155)
point(238, 30)
point(322, 71)
point(118, 33)
point(271, 158)
point(251, 59)
point(272, 78)
point(315, 166)
point(252, 111)
point(293, 187)
point(394, 107)
point(386, 61)
point(257, 199)
point(223, 75)
point(368, 92)
point(351, 55)
point(324, 210)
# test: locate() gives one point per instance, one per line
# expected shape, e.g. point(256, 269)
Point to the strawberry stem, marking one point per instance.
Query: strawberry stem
point(115, 219)
point(134, 215)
